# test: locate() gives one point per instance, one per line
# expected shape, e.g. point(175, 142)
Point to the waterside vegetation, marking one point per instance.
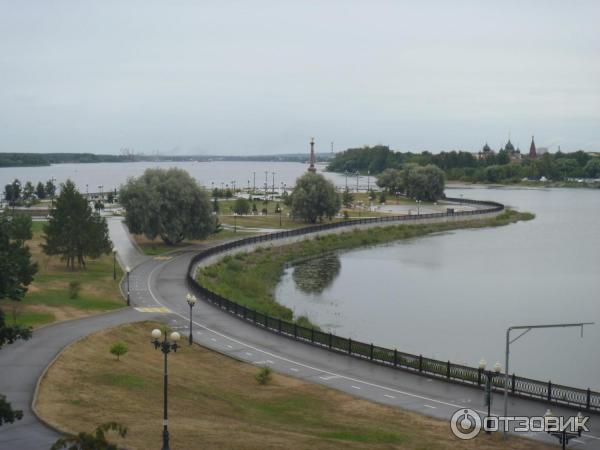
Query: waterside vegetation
point(250, 278)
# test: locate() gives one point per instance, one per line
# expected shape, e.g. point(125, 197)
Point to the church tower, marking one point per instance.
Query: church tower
point(532, 150)
point(312, 167)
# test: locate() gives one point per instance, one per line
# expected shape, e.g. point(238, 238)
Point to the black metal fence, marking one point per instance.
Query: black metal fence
point(518, 386)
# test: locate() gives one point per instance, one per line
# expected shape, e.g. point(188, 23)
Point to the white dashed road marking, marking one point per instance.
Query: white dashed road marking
point(388, 396)
point(331, 377)
point(429, 406)
point(356, 387)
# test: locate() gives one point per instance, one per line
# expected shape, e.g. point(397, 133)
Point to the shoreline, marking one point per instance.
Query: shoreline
point(225, 276)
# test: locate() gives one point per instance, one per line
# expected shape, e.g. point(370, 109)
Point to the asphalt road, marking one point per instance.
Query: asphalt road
point(158, 291)
point(22, 363)
point(163, 283)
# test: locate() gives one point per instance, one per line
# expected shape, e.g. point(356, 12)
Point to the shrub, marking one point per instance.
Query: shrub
point(74, 288)
point(118, 349)
point(264, 375)
point(241, 206)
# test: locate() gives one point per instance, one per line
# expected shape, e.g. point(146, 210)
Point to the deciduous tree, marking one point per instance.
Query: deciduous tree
point(168, 204)
point(92, 441)
point(241, 206)
point(313, 198)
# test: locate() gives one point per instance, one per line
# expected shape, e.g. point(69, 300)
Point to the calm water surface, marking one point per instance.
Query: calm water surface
point(112, 175)
point(452, 295)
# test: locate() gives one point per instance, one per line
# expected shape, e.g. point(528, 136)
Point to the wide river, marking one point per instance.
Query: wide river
point(452, 296)
point(448, 296)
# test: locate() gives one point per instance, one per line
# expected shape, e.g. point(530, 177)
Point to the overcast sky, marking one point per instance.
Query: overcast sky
point(254, 77)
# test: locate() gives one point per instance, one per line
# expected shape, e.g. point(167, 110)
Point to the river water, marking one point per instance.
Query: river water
point(210, 174)
point(451, 296)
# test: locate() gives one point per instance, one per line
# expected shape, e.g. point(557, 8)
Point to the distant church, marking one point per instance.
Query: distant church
point(514, 154)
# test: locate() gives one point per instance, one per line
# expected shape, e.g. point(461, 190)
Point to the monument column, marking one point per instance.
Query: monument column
point(312, 167)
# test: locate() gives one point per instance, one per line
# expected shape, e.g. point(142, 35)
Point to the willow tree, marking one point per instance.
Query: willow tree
point(168, 204)
point(314, 198)
point(74, 231)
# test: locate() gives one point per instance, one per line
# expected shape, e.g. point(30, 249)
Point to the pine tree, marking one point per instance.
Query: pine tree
point(74, 231)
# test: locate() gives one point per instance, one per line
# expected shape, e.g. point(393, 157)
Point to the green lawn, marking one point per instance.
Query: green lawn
point(49, 298)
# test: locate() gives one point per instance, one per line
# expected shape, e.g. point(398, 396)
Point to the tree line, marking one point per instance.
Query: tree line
point(18, 194)
point(465, 166)
point(415, 181)
point(46, 159)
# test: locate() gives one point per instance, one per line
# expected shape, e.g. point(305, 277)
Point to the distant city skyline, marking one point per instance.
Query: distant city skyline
point(263, 77)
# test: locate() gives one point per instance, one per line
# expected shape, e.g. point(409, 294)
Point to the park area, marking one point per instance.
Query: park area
point(211, 395)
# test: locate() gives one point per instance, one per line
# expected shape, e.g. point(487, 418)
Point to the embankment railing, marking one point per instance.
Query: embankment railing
point(585, 399)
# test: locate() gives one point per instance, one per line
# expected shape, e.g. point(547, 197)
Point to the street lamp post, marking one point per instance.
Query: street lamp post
point(114, 263)
point(235, 222)
point(166, 346)
point(191, 300)
point(418, 207)
point(527, 329)
point(273, 188)
point(279, 216)
point(564, 435)
point(489, 382)
point(128, 270)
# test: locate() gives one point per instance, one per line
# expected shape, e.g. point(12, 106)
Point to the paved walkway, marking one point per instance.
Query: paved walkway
point(22, 363)
point(158, 290)
point(128, 253)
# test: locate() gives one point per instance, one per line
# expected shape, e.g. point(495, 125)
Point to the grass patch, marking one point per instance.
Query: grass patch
point(216, 403)
point(34, 319)
point(123, 380)
point(366, 436)
point(250, 278)
point(49, 297)
point(156, 247)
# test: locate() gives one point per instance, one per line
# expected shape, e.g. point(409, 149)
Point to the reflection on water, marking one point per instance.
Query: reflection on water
point(314, 275)
point(453, 295)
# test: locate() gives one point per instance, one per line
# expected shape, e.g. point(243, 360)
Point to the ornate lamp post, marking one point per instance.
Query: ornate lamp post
point(128, 270)
point(489, 382)
point(563, 436)
point(191, 300)
point(166, 346)
point(114, 263)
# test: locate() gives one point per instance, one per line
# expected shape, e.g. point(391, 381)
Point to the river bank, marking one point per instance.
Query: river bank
point(250, 278)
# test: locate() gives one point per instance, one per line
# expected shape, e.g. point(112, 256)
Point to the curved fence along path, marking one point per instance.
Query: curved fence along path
point(518, 386)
